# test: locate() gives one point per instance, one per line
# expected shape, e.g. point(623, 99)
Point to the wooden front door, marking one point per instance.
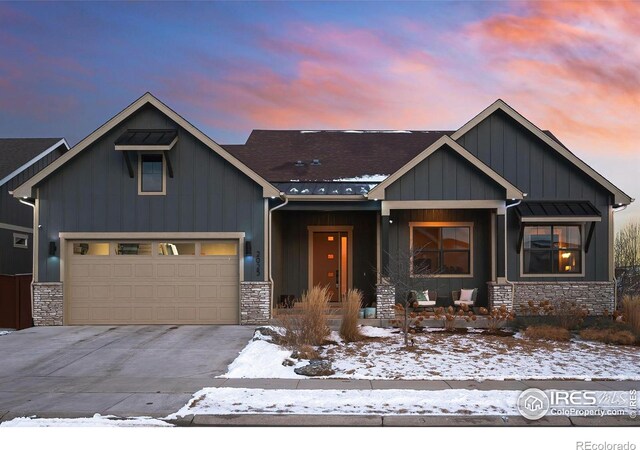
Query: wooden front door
point(331, 261)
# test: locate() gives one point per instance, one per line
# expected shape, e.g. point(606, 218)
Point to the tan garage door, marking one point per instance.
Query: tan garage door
point(151, 282)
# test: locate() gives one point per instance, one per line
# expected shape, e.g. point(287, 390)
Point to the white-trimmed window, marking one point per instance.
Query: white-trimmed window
point(152, 177)
point(552, 250)
point(20, 240)
point(441, 249)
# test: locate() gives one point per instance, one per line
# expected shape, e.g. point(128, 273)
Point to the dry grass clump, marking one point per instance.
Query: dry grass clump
point(631, 311)
point(310, 326)
point(350, 310)
point(547, 332)
point(305, 352)
point(608, 336)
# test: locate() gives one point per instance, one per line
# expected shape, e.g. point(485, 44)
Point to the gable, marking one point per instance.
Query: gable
point(26, 189)
point(445, 175)
point(529, 158)
point(528, 162)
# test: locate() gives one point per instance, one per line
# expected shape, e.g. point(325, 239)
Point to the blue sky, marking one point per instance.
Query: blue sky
point(229, 67)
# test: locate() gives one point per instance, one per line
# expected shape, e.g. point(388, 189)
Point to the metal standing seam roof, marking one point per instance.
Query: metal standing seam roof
point(147, 137)
point(345, 188)
point(568, 209)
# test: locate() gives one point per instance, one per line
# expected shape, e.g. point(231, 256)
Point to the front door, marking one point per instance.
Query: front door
point(330, 262)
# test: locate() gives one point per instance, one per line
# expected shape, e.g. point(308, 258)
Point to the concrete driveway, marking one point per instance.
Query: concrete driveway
point(120, 370)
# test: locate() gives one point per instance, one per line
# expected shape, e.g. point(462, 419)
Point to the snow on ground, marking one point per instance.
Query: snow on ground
point(444, 356)
point(380, 401)
point(3, 332)
point(96, 421)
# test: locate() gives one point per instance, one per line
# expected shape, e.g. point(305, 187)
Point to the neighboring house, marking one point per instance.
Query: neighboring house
point(20, 159)
point(148, 220)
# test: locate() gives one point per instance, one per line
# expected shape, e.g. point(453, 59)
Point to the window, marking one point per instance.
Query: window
point(552, 249)
point(151, 174)
point(20, 240)
point(91, 248)
point(219, 248)
point(133, 248)
point(176, 248)
point(442, 249)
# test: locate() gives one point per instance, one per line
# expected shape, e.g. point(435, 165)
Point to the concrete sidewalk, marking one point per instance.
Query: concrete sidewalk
point(159, 397)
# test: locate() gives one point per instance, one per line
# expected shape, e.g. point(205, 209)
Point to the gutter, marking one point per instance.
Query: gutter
point(34, 253)
point(270, 274)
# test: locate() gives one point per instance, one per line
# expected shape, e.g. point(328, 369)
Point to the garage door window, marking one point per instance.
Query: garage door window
point(133, 248)
point(221, 248)
point(176, 248)
point(91, 248)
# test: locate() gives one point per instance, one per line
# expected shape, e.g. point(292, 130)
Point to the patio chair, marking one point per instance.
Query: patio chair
point(466, 297)
point(426, 299)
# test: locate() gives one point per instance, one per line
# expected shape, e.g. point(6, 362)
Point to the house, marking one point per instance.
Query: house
point(148, 220)
point(21, 158)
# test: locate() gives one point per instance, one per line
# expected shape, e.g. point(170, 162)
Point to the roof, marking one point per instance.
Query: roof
point(343, 155)
point(531, 211)
point(17, 154)
point(147, 137)
point(326, 189)
point(26, 189)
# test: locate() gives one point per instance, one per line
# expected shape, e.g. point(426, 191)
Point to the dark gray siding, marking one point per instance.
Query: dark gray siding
point(537, 169)
point(14, 260)
point(445, 175)
point(399, 244)
point(291, 251)
point(93, 192)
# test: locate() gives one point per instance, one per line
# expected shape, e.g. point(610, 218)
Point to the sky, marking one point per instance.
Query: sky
point(230, 67)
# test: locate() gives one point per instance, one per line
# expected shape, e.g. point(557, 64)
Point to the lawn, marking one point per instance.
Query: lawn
point(436, 355)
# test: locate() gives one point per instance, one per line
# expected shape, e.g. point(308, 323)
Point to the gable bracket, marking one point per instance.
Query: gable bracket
point(589, 236)
point(127, 160)
point(520, 237)
point(169, 166)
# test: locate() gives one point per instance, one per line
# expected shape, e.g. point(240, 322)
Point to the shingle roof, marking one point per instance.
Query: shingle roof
point(341, 154)
point(15, 152)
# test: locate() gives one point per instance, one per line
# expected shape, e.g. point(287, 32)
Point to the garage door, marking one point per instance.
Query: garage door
point(152, 282)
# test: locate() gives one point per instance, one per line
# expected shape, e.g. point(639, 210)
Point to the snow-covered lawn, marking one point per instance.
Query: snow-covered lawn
point(444, 356)
point(381, 401)
point(96, 421)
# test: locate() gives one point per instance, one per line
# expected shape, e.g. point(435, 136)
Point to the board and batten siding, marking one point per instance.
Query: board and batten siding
point(399, 248)
point(444, 175)
point(291, 249)
point(94, 193)
point(535, 168)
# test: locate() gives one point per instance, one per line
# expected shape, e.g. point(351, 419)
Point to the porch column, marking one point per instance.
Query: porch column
point(384, 246)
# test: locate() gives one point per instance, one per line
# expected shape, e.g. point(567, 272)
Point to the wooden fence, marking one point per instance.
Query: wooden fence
point(15, 301)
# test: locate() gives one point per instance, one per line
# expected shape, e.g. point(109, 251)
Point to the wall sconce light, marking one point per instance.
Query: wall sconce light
point(52, 248)
point(247, 248)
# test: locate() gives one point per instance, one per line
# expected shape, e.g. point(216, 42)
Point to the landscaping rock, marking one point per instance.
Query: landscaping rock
point(276, 338)
point(288, 362)
point(316, 368)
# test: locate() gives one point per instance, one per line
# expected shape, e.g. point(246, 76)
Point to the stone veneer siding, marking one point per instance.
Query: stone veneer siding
point(47, 304)
point(255, 302)
point(595, 296)
point(385, 301)
point(499, 295)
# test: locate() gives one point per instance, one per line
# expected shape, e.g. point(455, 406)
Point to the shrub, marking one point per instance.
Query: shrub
point(448, 316)
point(631, 312)
point(350, 310)
point(562, 313)
point(310, 327)
point(608, 336)
point(547, 332)
point(497, 317)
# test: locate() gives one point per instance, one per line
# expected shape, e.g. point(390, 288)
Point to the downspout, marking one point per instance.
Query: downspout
point(506, 248)
point(34, 236)
point(270, 274)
